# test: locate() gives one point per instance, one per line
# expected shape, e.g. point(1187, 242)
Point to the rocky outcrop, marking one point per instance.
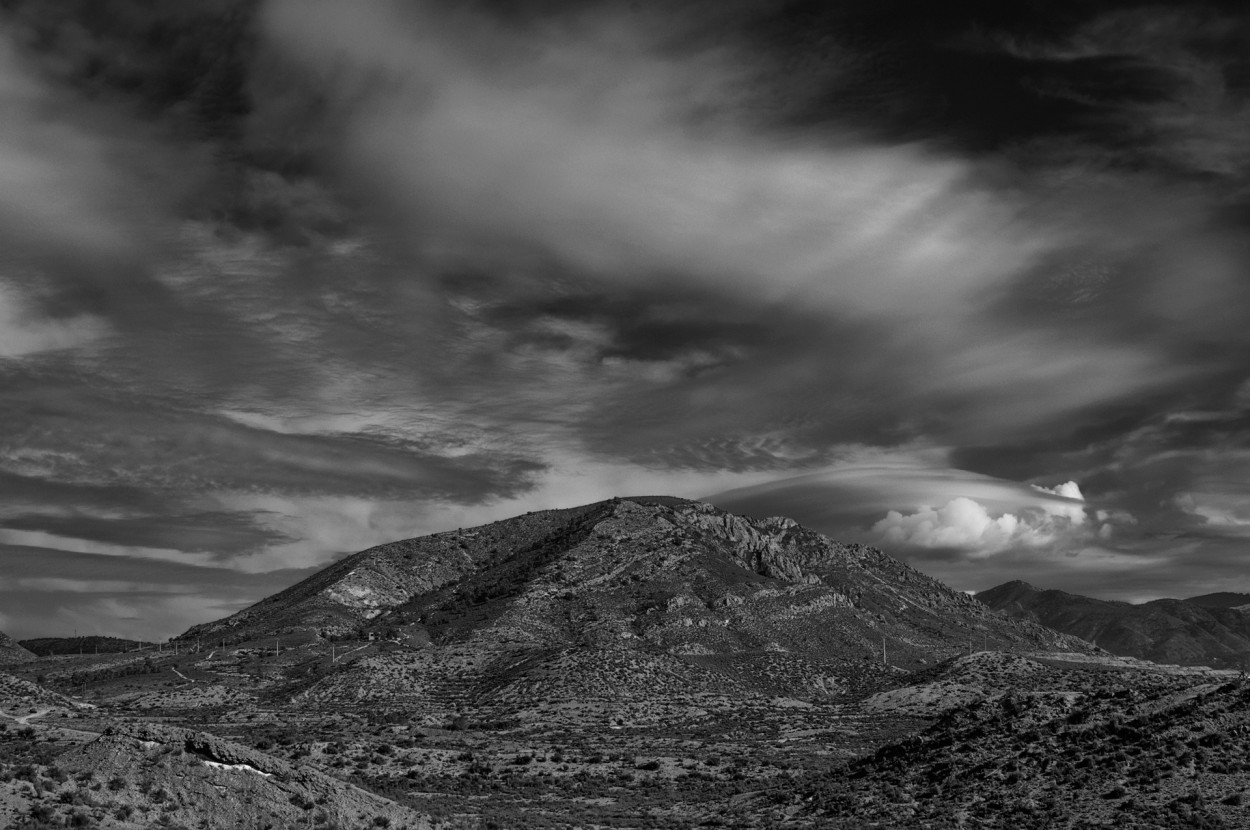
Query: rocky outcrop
point(766, 546)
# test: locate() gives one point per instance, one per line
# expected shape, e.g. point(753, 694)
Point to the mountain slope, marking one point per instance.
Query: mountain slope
point(623, 599)
point(1204, 631)
point(339, 599)
point(1222, 599)
point(46, 646)
point(193, 772)
point(11, 652)
point(1150, 754)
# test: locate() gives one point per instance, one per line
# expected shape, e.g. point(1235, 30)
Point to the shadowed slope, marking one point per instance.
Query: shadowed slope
point(1202, 631)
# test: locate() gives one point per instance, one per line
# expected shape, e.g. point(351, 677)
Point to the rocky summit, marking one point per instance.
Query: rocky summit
point(643, 662)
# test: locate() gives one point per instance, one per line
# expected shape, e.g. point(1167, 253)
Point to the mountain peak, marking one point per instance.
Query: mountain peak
point(655, 573)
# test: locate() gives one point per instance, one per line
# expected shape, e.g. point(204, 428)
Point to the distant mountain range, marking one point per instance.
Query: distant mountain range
point(673, 588)
point(1211, 630)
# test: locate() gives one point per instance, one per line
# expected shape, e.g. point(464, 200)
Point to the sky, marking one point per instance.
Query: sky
point(281, 280)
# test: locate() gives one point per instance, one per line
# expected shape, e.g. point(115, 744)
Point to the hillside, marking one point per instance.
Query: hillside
point(638, 662)
point(1202, 631)
point(1058, 748)
point(1222, 599)
point(45, 646)
point(665, 575)
point(636, 602)
point(12, 652)
point(339, 599)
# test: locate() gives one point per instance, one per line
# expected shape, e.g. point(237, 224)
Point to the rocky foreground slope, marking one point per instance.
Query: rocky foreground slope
point(11, 652)
point(1052, 746)
point(1212, 630)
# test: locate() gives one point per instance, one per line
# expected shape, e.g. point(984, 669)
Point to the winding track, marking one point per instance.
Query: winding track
point(25, 719)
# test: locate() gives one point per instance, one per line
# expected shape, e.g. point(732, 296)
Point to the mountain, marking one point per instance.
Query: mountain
point(621, 598)
point(45, 646)
point(636, 662)
point(1057, 749)
point(164, 776)
point(11, 652)
point(1205, 630)
point(1223, 599)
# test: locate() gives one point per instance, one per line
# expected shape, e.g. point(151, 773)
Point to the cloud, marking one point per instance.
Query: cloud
point(23, 333)
point(966, 525)
point(48, 591)
point(1073, 512)
point(41, 539)
point(594, 156)
point(204, 532)
point(575, 137)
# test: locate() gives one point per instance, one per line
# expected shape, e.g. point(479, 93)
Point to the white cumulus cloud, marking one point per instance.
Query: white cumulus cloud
point(1071, 509)
point(966, 524)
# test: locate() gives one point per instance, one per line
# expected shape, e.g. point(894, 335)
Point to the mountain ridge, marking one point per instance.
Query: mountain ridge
point(1205, 630)
point(668, 574)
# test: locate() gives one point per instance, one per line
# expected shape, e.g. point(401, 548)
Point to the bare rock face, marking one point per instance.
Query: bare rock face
point(764, 546)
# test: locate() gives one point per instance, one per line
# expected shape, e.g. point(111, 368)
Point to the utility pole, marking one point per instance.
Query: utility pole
point(883, 650)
